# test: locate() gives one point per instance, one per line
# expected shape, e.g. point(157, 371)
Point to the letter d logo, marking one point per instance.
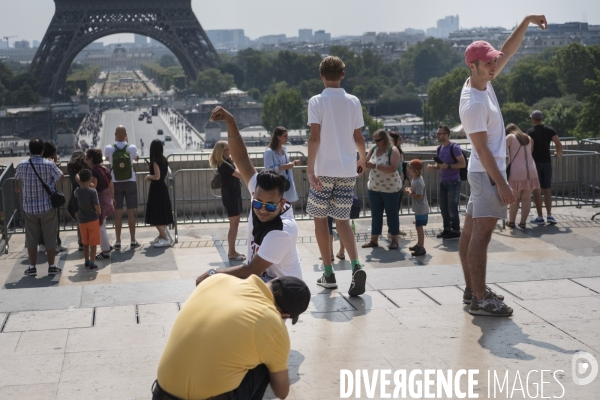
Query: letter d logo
point(582, 363)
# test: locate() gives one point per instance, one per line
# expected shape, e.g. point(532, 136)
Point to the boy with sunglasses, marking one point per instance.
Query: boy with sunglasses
point(272, 229)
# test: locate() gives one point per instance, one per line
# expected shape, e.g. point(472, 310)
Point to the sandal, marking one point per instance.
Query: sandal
point(341, 256)
point(510, 224)
point(393, 246)
point(332, 258)
point(238, 257)
point(370, 244)
point(523, 225)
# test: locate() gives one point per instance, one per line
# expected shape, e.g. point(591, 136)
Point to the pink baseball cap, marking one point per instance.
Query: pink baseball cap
point(481, 50)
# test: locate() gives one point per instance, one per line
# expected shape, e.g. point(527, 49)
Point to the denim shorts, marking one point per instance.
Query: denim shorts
point(421, 220)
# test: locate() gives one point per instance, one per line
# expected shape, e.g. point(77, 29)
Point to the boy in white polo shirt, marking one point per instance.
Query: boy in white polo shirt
point(336, 121)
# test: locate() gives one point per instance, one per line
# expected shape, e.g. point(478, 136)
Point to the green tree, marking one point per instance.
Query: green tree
point(530, 80)
point(23, 79)
point(258, 72)
point(399, 103)
point(25, 96)
point(371, 124)
point(167, 61)
point(574, 64)
point(444, 97)
point(283, 109)
point(428, 59)
point(310, 88)
point(371, 89)
point(589, 119)
point(237, 72)
point(254, 93)
point(211, 82)
point(518, 114)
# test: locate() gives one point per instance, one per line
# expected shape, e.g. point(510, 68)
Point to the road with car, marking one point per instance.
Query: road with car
point(137, 131)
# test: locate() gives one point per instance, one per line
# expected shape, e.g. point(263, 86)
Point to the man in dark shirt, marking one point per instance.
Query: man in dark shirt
point(542, 135)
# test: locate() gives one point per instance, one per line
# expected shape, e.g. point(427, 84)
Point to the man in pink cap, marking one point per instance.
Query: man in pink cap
point(490, 194)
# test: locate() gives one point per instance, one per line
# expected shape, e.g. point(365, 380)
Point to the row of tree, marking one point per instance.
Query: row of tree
point(564, 83)
point(82, 79)
point(17, 87)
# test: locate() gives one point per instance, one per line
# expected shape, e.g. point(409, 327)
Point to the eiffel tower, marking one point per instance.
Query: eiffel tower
point(77, 23)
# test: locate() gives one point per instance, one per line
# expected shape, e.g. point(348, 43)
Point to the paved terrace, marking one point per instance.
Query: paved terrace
point(99, 335)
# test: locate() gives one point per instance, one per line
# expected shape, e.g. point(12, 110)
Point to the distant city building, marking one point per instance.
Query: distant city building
point(228, 39)
point(95, 46)
point(35, 44)
point(322, 36)
point(120, 59)
point(272, 39)
point(305, 35)
point(3, 44)
point(140, 40)
point(22, 44)
point(444, 27)
point(369, 37)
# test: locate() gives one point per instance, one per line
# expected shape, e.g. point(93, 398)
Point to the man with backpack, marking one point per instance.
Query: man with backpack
point(121, 155)
point(451, 162)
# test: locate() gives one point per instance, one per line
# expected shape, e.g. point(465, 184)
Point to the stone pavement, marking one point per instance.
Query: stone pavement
point(99, 335)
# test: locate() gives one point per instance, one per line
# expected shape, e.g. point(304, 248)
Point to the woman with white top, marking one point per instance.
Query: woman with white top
point(276, 157)
point(385, 186)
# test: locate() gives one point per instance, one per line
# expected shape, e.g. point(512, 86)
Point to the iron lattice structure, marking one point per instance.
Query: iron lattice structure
point(77, 23)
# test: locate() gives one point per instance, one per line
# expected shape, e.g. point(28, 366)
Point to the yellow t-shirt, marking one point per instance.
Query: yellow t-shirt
point(226, 327)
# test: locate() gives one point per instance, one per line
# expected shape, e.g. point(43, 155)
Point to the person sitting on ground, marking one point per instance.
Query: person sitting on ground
point(229, 341)
point(89, 210)
point(272, 229)
point(420, 205)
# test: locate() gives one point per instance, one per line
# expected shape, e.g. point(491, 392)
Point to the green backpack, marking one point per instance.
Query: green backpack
point(121, 164)
point(389, 153)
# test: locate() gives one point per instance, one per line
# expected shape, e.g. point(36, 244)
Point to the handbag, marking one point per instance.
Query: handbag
point(57, 198)
point(510, 163)
point(215, 182)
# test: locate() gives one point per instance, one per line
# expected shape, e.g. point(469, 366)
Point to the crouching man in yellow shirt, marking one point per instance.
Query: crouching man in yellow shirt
point(229, 340)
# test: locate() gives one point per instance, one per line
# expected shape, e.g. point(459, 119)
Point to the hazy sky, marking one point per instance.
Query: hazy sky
point(29, 18)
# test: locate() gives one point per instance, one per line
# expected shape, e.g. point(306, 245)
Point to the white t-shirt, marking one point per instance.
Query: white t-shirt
point(480, 112)
point(278, 247)
point(339, 114)
point(110, 149)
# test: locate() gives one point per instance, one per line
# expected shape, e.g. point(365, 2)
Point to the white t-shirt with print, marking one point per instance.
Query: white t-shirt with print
point(278, 247)
point(131, 149)
point(339, 114)
point(480, 112)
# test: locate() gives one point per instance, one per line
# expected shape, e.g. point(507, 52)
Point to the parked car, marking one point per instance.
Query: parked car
point(141, 117)
point(159, 132)
point(149, 120)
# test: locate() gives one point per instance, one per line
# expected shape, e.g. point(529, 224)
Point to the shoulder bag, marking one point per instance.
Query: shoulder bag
point(511, 161)
point(57, 198)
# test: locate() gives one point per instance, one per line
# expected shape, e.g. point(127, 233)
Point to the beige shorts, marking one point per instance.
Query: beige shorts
point(484, 200)
point(37, 225)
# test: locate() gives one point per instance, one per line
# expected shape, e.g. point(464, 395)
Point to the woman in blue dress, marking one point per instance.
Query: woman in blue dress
point(276, 157)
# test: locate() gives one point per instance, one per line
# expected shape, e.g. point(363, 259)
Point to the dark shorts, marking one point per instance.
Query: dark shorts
point(232, 203)
point(128, 192)
point(544, 171)
point(421, 220)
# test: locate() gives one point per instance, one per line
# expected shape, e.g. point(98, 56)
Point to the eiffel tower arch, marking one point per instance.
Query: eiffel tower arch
point(77, 23)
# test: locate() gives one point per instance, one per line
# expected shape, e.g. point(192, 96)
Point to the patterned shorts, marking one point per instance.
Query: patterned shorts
point(334, 200)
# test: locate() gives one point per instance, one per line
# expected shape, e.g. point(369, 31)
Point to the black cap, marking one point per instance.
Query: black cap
point(291, 295)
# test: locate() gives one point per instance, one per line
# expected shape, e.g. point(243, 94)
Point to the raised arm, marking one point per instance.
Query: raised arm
point(512, 44)
point(238, 150)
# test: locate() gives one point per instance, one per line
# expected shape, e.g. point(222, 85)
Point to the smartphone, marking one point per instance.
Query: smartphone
point(359, 170)
point(438, 160)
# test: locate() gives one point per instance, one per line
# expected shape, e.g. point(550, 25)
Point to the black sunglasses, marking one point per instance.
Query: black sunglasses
point(377, 140)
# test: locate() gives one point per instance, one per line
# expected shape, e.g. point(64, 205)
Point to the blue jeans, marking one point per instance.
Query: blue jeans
point(384, 201)
point(449, 199)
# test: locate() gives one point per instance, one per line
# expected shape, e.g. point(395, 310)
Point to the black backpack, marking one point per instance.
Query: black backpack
point(463, 171)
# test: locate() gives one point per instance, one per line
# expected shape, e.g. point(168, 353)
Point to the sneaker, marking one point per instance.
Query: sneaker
point(161, 243)
point(419, 251)
point(81, 247)
point(102, 256)
point(135, 245)
point(490, 305)
point(468, 295)
point(452, 235)
point(357, 286)
point(413, 248)
point(31, 271)
point(53, 270)
point(42, 248)
point(327, 282)
point(551, 220)
point(93, 267)
point(60, 249)
point(87, 263)
point(117, 246)
point(538, 221)
point(155, 240)
point(443, 234)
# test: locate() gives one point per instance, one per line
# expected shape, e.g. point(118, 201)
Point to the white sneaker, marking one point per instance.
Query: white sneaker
point(156, 239)
point(162, 243)
point(42, 248)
